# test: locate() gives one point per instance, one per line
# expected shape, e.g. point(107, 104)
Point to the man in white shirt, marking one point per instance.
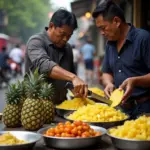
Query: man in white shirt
point(16, 55)
point(76, 57)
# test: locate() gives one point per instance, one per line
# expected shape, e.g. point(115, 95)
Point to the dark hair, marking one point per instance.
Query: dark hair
point(17, 45)
point(108, 9)
point(89, 40)
point(63, 17)
point(3, 49)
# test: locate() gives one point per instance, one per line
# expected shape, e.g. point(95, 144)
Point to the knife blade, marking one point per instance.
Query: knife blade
point(91, 94)
point(99, 98)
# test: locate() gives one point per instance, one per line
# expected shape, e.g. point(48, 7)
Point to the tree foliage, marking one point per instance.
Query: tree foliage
point(25, 17)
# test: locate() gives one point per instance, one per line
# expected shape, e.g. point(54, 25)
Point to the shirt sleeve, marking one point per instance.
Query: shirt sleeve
point(39, 57)
point(106, 65)
point(146, 50)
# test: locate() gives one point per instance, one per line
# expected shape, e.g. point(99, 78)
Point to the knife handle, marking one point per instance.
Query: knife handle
point(70, 86)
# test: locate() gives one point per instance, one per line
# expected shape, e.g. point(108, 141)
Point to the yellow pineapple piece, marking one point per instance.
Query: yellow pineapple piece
point(97, 113)
point(135, 129)
point(97, 91)
point(75, 103)
point(116, 97)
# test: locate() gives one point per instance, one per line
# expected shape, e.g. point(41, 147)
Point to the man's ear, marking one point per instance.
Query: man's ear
point(51, 25)
point(117, 21)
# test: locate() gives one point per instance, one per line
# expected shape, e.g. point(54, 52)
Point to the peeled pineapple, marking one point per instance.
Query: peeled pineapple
point(97, 113)
point(75, 103)
point(97, 91)
point(138, 129)
point(10, 139)
point(116, 97)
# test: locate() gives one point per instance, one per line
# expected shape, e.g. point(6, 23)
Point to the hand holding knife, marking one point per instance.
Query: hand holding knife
point(90, 94)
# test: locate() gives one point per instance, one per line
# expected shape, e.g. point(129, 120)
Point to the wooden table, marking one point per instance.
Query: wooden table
point(105, 144)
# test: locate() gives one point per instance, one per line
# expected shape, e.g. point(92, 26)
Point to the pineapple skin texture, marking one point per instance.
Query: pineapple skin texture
point(32, 114)
point(49, 111)
point(12, 116)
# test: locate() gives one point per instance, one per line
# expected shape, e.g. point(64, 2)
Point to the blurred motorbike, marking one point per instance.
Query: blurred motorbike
point(15, 68)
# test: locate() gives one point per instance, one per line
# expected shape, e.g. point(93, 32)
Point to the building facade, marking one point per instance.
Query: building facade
point(136, 12)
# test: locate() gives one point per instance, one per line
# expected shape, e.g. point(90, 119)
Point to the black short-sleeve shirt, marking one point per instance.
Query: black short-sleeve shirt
point(132, 60)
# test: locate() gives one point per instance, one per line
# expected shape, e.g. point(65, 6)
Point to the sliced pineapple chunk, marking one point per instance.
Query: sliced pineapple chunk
point(134, 129)
point(75, 103)
point(116, 97)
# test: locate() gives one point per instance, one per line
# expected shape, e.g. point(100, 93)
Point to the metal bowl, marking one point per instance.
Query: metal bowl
point(71, 143)
point(129, 144)
point(101, 124)
point(62, 112)
point(30, 137)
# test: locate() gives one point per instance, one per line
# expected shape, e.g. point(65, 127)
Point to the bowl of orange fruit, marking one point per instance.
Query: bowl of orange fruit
point(74, 135)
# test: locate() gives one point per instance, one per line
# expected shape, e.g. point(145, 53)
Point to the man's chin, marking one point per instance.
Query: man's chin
point(60, 45)
point(111, 39)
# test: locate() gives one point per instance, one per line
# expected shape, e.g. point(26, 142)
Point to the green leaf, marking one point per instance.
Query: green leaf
point(25, 18)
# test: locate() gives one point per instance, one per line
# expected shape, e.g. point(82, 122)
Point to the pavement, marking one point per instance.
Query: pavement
point(81, 74)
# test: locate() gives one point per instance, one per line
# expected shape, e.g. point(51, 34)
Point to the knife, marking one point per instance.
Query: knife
point(91, 94)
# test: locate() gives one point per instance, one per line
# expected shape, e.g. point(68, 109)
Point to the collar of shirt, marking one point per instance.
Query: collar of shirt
point(131, 33)
point(129, 37)
point(48, 41)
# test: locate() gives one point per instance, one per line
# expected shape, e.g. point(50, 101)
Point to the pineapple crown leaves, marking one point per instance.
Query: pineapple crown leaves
point(22, 88)
point(33, 82)
point(13, 94)
point(46, 91)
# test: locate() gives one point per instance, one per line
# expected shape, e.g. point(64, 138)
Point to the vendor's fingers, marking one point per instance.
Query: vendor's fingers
point(85, 91)
point(77, 95)
point(107, 93)
point(123, 85)
point(126, 94)
point(81, 91)
point(77, 88)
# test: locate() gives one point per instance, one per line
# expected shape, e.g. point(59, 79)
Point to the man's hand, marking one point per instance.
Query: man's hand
point(109, 89)
point(80, 87)
point(128, 85)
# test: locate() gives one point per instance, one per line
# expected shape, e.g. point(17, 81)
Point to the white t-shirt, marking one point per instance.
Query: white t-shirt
point(76, 55)
point(16, 55)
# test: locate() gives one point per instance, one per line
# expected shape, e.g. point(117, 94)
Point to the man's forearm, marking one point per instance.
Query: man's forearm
point(142, 81)
point(61, 74)
point(107, 79)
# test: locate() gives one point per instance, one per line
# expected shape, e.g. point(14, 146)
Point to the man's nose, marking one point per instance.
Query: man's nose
point(102, 32)
point(65, 38)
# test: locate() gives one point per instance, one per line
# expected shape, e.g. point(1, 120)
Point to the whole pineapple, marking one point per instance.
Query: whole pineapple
point(32, 115)
point(12, 111)
point(46, 94)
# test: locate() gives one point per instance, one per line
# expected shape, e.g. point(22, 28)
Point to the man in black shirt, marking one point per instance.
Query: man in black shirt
point(126, 63)
point(50, 53)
